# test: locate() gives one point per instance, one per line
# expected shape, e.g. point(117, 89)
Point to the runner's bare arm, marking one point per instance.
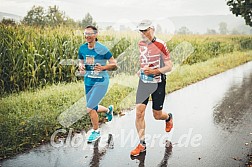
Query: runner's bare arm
point(165, 69)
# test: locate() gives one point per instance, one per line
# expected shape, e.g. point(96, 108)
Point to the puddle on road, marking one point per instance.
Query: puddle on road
point(234, 105)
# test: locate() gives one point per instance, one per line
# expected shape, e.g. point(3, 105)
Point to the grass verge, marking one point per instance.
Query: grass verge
point(189, 74)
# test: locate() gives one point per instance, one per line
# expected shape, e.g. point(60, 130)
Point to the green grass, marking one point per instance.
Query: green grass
point(29, 118)
point(188, 74)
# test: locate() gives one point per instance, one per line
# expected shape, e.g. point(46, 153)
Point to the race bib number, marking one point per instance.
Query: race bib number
point(147, 78)
point(90, 71)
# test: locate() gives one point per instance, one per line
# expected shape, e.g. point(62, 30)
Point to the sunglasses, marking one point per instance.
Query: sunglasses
point(143, 31)
point(88, 34)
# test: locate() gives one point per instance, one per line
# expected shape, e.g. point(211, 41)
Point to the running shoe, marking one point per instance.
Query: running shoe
point(140, 148)
point(169, 124)
point(94, 136)
point(109, 114)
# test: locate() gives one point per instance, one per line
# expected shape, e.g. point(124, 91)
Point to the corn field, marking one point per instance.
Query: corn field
point(30, 57)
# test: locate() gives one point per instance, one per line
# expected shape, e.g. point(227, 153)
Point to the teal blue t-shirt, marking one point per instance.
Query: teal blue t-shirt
point(99, 54)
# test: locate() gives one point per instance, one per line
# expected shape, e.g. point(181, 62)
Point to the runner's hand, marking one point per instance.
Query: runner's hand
point(138, 73)
point(82, 69)
point(147, 70)
point(98, 67)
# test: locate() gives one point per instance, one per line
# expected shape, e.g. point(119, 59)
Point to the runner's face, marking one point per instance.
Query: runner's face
point(90, 35)
point(147, 35)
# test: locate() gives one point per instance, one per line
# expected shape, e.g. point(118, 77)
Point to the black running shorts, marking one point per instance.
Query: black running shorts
point(156, 90)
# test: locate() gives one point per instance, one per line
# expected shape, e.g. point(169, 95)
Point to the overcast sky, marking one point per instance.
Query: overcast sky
point(113, 10)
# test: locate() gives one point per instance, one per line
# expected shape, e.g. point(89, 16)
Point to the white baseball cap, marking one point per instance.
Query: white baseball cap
point(144, 24)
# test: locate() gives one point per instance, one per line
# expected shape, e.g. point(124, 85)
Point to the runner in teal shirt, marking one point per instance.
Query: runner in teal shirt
point(98, 55)
point(94, 61)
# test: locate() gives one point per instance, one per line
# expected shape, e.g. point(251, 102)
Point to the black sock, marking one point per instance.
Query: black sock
point(169, 117)
point(142, 142)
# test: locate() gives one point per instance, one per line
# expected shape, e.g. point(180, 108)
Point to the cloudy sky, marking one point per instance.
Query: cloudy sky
point(113, 10)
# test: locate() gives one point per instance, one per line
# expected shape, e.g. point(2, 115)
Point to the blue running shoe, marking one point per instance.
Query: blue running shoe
point(109, 114)
point(94, 136)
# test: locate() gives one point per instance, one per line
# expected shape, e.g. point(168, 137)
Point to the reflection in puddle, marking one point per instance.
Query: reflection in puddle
point(140, 158)
point(167, 154)
point(98, 154)
point(234, 105)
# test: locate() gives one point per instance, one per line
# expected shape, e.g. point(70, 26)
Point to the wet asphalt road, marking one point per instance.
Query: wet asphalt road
point(212, 127)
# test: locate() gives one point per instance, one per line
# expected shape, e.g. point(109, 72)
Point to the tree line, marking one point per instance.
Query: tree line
point(53, 17)
point(222, 29)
